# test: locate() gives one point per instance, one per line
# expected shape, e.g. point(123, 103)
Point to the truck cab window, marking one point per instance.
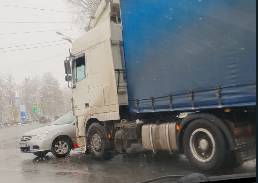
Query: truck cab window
point(79, 69)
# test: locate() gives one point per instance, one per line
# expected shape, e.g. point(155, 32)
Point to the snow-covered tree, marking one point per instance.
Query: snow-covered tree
point(8, 109)
point(51, 96)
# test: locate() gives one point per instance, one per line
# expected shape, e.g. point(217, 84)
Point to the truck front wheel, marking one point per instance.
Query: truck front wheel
point(204, 145)
point(97, 142)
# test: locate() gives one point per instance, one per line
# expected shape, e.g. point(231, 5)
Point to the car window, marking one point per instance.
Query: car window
point(65, 119)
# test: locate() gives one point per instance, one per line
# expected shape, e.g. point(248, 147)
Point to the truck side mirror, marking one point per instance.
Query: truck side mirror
point(67, 66)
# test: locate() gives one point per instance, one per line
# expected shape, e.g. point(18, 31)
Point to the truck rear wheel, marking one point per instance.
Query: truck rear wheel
point(98, 142)
point(204, 145)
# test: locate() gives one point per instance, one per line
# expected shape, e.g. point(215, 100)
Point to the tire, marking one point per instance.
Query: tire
point(204, 145)
point(231, 162)
point(61, 147)
point(97, 141)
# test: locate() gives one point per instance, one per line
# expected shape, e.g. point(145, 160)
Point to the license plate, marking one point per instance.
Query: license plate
point(23, 144)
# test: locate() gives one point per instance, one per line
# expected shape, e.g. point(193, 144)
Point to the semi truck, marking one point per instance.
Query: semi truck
point(167, 76)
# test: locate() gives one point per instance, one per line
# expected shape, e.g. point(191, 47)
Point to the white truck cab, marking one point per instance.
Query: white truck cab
point(97, 70)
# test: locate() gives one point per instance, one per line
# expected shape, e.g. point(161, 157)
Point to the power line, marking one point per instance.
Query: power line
point(30, 32)
point(34, 22)
point(26, 49)
point(35, 8)
point(47, 59)
point(44, 42)
point(50, 58)
point(31, 46)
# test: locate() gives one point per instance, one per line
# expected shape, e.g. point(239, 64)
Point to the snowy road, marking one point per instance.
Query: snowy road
point(77, 168)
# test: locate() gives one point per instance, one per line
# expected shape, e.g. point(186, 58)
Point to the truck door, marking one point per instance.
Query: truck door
point(79, 82)
point(80, 93)
point(94, 93)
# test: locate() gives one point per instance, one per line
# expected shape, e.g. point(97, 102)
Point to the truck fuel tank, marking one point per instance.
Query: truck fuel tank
point(159, 137)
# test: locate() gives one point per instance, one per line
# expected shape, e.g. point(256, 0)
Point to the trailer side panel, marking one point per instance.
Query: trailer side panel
point(189, 54)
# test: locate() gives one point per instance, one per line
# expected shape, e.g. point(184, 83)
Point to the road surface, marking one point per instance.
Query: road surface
point(78, 168)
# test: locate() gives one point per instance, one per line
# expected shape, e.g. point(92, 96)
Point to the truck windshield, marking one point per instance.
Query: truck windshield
point(65, 119)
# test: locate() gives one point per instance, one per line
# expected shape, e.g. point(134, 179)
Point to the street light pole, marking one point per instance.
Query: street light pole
point(64, 37)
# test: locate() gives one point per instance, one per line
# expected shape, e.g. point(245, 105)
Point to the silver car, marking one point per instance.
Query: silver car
point(58, 138)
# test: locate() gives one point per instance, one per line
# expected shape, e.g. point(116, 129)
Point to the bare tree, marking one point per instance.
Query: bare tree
point(29, 93)
point(8, 110)
point(85, 9)
point(52, 99)
point(1, 100)
point(44, 93)
point(86, 6)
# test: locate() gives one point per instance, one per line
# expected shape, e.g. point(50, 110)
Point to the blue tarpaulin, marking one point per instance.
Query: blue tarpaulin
point(189, 54)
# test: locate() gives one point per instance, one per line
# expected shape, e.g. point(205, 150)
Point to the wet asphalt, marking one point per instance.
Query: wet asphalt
point(17, 167)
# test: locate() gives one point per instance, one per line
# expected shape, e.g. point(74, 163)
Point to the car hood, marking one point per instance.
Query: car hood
point(44, 130)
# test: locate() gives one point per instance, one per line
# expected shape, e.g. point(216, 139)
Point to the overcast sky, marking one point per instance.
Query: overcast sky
point(29, 45)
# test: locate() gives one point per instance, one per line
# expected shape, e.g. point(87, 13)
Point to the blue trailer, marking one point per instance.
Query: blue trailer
point(195, 59)
point(190, 54)
point(188, 85)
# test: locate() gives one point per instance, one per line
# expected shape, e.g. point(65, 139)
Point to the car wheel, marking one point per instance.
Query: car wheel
point(61, 147)
point(98, 142)
point(204, 145)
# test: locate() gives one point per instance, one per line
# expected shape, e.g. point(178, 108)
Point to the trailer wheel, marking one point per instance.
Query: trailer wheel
point(231, 162)
point(98, 142)
point(204, 145)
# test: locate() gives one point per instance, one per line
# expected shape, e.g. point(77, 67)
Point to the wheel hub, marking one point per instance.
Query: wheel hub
point(96, 142)
point(202, 145)
point(61, 147)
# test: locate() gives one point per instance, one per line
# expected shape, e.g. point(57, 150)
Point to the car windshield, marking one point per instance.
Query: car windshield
point(65, 119)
